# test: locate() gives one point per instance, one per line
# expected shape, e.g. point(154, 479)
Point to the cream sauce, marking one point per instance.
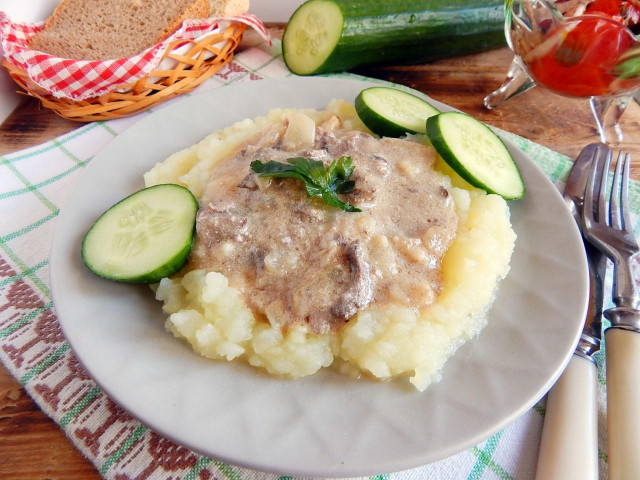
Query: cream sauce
point(299, 261)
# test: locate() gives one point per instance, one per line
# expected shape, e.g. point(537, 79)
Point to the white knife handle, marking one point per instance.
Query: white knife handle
point(623, 400)
point(569, 444)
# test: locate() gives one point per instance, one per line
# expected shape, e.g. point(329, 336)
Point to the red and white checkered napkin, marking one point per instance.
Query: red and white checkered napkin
point(82, 79)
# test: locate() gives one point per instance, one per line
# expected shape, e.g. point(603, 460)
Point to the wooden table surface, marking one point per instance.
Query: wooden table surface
point(34, 447)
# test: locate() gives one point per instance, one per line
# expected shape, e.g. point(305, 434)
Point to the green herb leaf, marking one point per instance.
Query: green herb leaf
point(319, 182)
point(629, 65)
point(628, 69)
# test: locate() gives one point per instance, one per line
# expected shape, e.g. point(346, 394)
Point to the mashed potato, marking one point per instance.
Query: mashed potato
point(381, 342)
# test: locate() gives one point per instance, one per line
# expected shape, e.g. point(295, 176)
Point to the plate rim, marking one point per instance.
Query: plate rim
point(248, 463)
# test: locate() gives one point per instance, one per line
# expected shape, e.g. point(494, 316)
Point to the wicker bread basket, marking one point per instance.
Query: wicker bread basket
point(204, 57)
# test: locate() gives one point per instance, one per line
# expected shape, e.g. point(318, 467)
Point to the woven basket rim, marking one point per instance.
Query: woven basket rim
point(205, 57)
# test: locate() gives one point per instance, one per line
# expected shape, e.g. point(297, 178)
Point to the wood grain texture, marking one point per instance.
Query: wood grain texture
point(32, 447)
point(29, 125)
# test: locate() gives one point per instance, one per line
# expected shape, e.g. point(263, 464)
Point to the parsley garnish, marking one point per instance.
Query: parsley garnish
point(320, 182)
point(629, 67)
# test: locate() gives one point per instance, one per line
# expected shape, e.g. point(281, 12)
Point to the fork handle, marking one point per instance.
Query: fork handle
point(569, 444)
point(623, 398)
point(625, 291)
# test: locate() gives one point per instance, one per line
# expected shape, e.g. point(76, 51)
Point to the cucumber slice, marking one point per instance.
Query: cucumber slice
point(476, 154)
point(143, 238)
point(311, 35)
point(389, 112)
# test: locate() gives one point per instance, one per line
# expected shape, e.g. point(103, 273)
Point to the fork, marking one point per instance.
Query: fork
point(611, 232)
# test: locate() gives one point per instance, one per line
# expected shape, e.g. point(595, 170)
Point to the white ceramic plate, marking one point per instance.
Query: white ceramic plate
point(324, 425)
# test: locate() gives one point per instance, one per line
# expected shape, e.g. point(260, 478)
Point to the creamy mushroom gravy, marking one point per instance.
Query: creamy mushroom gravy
point(298, 261)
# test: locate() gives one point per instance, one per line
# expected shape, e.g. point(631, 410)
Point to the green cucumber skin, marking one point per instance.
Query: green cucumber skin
point(377, 123)
point(438, 141)
point(153, 276)
point(415, 31)
point(166, 270)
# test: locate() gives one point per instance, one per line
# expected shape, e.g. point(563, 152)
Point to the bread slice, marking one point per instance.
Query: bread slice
point(107, 29)
point(228, 8)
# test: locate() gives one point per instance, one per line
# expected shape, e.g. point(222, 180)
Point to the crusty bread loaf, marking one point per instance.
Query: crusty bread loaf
point(106, 29)
point(228, 8)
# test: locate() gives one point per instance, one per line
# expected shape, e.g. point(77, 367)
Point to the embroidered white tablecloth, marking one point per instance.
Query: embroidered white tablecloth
point(34, 184)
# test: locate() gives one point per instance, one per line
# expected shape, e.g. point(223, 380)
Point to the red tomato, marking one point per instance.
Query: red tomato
point(581, 64)
point(609, 7)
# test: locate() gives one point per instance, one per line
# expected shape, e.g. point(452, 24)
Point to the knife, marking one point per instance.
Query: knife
point(569, 444)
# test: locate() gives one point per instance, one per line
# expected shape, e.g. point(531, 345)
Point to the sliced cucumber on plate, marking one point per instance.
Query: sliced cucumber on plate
point(143, 238)
point(467, 145)
point(475, 153)
point(389, 112)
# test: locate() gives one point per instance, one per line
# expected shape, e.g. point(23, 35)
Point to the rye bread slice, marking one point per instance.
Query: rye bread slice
point(108, 29)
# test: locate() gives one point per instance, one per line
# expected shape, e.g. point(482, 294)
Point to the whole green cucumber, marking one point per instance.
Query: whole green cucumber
point(336, 35)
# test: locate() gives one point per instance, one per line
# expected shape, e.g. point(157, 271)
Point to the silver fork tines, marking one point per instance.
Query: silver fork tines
point(611, 230)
